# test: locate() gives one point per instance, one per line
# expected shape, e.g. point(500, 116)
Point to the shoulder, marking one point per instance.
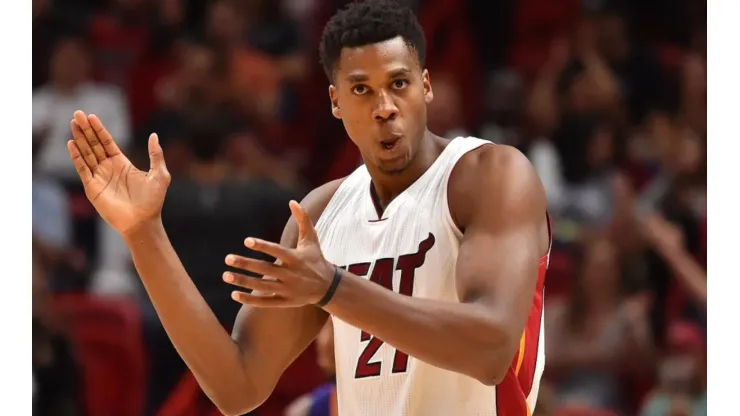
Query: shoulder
point(317, 200)
point(41, 100)
point(104, 92)
point(490, 158)
point(314, 203)
point(493, 176)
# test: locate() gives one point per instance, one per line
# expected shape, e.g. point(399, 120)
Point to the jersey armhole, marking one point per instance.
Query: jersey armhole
point(545, 259)
point(446, 185)
point(335, 202)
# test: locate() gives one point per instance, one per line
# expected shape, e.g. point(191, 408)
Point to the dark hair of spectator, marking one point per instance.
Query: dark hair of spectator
point(368, 22)
point(205, 136)
point(572, 140)
point(73, 38)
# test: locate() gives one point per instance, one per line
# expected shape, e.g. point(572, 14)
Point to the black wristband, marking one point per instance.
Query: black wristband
point(332, 288)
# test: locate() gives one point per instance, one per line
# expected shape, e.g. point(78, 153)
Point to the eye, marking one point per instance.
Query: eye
point(359, 89)
point(400, 84)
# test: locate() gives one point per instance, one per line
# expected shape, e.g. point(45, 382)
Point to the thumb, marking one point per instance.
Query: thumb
point(156, 155)
point(305, 227)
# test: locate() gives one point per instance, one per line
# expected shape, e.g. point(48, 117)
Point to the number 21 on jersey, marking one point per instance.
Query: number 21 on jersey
point(382, 274)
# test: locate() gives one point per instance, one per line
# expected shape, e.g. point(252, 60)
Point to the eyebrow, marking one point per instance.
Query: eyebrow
point(357, 78)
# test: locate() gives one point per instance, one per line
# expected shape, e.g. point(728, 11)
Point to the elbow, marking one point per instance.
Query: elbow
point(492, 375)
point(236, 407)
point(496, 358)
point(236, 402)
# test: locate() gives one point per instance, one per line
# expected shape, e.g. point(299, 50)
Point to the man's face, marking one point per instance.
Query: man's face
point(70, 62)
point(380, 93)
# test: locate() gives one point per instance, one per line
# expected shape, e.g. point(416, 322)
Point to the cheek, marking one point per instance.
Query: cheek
point(357, 129)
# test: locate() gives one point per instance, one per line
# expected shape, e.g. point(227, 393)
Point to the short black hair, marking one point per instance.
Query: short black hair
point(205, 135)
point(366, 22)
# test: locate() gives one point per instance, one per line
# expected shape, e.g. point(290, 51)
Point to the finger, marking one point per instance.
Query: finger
point(90, 135)
point(109, 145)
point(262, 301)
point(257, 266)
point(79, 137)
point(306, 231)
point(284, 254)
point(254, 283)
point(79, 162)
point(156, 154)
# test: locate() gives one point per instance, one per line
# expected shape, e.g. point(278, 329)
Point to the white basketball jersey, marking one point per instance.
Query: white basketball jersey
point(412, 249)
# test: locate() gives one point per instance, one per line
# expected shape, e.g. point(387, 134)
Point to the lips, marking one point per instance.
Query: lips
point(390, 143)
point(389, 138)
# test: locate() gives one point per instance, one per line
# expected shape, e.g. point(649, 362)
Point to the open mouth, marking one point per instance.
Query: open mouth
point(390, 144)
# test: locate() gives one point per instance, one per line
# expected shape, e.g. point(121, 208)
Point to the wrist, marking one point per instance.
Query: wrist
point(332, 288)
point(146, 230)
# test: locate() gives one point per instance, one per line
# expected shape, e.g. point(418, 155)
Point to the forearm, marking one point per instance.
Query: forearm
point(454, 336)
point(542, 103)
point(689, 272)
point(199, 338)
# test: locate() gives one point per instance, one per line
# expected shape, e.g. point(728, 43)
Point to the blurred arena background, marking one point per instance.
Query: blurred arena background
point(606, 97)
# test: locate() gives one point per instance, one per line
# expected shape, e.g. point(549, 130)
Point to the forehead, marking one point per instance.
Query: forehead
point(376, 58)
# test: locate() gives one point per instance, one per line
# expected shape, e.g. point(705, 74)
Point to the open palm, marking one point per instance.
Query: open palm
point(123, 195)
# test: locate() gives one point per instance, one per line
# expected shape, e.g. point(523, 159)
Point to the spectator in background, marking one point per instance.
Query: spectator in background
point(195, 86)
point(636, 73)
point(323, 400)
point(70, 89)
point(503, 106)
point(46, 28)
point(262, 53)
point(157, 63)
point(50, 217)
point(254, 84)
point(207, 213)
point(119, 37)
point(250, 160)
point(682, 385)
point(577, 170)
point(598, 335)
point(444, 113)
point(669, 212)
point(667, 240)
point(56, 382)
point(52, 224)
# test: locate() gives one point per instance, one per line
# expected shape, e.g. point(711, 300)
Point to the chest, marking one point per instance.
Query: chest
point(411, 250)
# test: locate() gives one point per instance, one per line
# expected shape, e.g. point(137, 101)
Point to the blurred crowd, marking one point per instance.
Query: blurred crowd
point(606, 97)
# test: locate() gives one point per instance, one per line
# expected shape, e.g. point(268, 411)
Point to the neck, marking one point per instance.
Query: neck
point(65, 88)
point(387, 186)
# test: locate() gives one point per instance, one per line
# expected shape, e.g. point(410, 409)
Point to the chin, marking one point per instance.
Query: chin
point(395, 167)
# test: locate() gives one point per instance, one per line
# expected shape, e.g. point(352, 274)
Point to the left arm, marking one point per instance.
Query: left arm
point(496, 274)
point(496, 197)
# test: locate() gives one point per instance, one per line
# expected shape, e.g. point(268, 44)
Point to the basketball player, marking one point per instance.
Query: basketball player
point(430, 258)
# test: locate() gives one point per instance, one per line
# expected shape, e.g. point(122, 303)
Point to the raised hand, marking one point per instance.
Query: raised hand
point(124, 196)
point(302, 277)
point(664, 236)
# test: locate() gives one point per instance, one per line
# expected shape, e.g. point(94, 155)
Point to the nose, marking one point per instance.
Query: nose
point(385, 109)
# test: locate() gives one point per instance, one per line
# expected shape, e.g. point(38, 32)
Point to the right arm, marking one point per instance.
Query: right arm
point(667, 240)
point(237, 375)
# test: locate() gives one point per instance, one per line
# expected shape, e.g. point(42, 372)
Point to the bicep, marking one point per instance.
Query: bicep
point(499, 271)
point(505, 238)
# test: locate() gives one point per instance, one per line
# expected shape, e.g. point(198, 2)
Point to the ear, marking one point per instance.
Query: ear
point(428, 94)
point(334, 99)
